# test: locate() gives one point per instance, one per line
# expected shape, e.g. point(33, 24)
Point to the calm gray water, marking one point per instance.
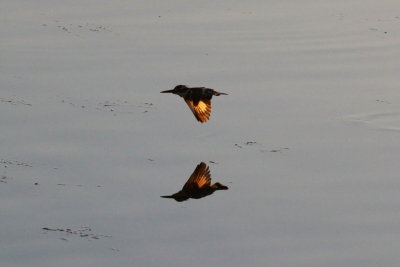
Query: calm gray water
point(307, 139)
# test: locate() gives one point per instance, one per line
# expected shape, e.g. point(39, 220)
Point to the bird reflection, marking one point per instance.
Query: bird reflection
point(198, 185)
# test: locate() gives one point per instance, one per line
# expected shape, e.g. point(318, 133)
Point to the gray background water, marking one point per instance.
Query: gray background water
point(315, 84)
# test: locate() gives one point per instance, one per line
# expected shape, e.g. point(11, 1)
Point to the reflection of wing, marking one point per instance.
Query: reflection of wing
point(200, 177)
point(202, 110)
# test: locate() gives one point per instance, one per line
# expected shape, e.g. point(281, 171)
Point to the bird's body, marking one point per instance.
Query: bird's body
point(198, 185)
point(197, 98)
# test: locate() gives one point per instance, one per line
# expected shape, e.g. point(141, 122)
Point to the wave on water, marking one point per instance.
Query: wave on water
point(387, 121)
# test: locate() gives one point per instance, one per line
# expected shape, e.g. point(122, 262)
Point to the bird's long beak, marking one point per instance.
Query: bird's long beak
point(167, 196)
point(167, 91)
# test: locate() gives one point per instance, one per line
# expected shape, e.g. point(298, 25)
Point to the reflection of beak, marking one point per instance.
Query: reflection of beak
point(167, 91)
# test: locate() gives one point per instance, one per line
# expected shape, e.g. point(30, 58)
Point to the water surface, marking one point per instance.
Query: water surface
point(307, 139)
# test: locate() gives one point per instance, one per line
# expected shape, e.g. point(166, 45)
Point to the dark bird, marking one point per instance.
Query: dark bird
point(198, 185)
point(197, 98)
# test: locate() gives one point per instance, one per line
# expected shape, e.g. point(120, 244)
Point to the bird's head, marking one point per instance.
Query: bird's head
point(178, 197)
point(178, 89)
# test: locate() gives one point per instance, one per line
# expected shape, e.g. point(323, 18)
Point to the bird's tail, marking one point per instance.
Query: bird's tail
point(219, 93)
point(218, 186)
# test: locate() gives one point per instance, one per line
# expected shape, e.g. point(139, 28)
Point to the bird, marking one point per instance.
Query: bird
point(197, 98)
point(198, 185)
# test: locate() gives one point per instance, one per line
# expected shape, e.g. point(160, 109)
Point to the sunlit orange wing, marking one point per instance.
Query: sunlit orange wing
point(199, 178)
point(201, 111)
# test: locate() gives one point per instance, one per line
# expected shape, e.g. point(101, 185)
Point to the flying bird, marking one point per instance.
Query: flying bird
point(197, 98)
point(198, 185)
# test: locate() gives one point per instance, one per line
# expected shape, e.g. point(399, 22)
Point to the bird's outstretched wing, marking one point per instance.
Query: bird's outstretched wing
point(202, 110)
point(200, 177)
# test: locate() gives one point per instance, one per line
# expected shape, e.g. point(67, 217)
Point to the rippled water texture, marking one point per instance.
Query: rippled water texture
point(307, 139)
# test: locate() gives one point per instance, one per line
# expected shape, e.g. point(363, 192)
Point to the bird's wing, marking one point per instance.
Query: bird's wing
point(200, 177)
point(202, 110)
